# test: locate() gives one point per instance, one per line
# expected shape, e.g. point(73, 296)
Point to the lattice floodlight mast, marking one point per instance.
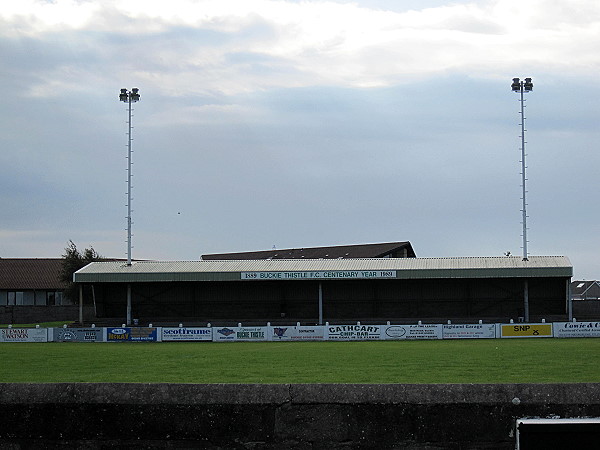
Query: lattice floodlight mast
point(129, 97)
point(523, 87)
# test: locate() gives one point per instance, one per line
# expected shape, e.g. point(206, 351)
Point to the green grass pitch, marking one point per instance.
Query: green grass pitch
point(440, 361)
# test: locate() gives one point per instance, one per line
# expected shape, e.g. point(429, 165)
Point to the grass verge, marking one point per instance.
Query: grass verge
point(449, 361)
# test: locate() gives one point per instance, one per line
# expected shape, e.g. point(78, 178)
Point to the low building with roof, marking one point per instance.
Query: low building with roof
point(29, 281)
point(585, 290)
point(381, 250)
point(586, 299)
point(314, 291)
point(31, 291)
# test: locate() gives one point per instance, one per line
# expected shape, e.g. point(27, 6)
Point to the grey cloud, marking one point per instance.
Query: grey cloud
point(256, 149)
point(472, 25)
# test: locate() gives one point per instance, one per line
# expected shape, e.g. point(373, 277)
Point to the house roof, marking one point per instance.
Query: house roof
point(327, 269)
point(585, 289)
point(381, 250)
point(29, 273)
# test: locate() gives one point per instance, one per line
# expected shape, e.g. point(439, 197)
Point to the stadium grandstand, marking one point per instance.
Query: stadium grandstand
point(344, 284)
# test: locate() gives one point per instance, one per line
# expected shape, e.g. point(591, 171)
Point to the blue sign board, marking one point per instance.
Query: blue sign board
point(136, 334)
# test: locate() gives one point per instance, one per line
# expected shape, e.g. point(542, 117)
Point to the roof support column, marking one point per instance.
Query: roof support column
point(94, 300)
point(320, 303)
point(128, 304)
point(526, 299)
point(569, 299)
point(81, 304)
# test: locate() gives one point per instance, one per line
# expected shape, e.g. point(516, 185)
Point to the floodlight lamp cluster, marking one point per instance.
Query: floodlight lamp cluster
point(519, 86)
point(129, 97)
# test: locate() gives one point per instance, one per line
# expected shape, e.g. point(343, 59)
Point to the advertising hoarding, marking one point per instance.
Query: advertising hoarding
point(251, 334)
point(469, 331)
point(425, 331)
point(187, 334)
point(23, 335)
point(128, 334)
point(237, 334)
point(353, 332)
point(576, 329)
point(223, 334)
point(297, 333)
point(78, 334)
point(526, 330)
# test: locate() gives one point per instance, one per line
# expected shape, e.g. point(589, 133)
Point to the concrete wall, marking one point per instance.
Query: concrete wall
point(317, 416)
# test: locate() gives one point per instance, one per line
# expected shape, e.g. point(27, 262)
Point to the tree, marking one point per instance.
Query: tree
point(73, 260)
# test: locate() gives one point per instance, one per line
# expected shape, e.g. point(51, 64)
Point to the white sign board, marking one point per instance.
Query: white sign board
point(469, 331)
point(353, 332)
point(76, 334)
point(576, 329)
point(233, 334)
point(251, 333)
point(319, 275)
point(426, 331)
point(23, 335)
point(297, 333)
point(187, 334)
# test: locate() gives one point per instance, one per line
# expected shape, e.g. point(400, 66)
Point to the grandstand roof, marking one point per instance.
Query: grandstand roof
point(402, 268)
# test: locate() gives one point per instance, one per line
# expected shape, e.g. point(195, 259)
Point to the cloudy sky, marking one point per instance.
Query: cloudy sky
point(288, 123)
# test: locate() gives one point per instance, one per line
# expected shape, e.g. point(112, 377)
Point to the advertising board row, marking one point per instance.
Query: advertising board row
point(303, 333)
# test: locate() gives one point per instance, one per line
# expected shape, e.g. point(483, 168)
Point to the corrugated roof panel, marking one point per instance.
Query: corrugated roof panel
point(465, 267)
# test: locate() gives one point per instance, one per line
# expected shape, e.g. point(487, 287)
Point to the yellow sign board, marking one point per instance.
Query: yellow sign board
point(527, 330)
